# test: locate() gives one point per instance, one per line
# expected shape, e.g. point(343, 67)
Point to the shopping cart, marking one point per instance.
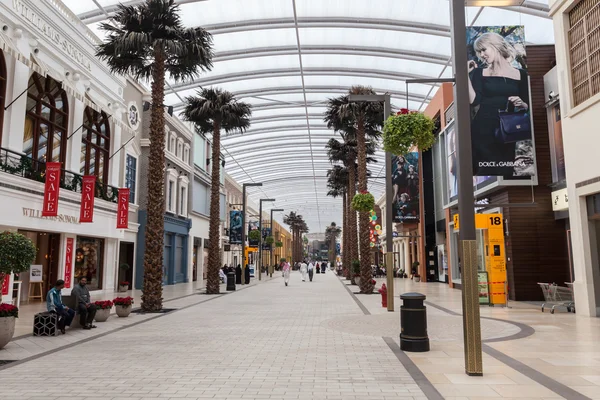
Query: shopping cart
point(557, 296)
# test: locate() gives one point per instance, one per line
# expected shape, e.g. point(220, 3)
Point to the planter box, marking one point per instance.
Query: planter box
point(123, 288)
point(123, 311)
point(102, 315)
point(7, 330)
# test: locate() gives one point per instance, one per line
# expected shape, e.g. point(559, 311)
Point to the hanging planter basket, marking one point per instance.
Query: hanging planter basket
point(406, 130)
point(254, 235)
point(278, 244)
point(363, 202)
point(269, 240)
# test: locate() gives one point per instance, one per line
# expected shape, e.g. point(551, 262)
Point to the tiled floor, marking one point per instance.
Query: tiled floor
point(307, 341)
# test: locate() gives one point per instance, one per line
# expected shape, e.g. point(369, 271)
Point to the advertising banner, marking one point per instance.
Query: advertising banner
point(88, 187)
point(5, 284)
point(51, 189)
point(69, 262)
point(252, 226)
point(501, 125)
point(123, 209)
point(405, 182)
point(265, 233)
point(235, 227)
point(36, 273)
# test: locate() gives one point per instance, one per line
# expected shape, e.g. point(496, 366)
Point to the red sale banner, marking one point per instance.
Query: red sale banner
point(86, 214)
point(68, 263)
point(5, 284)
point(123, 209)
point(51, 189)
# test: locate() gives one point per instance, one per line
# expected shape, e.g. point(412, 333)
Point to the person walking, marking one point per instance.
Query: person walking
point(318, 268)
point(286, 272)
point(311, 270)
point(303, 270)
point(238, 275)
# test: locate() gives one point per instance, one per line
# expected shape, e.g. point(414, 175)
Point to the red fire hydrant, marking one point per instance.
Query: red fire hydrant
point(383, 292)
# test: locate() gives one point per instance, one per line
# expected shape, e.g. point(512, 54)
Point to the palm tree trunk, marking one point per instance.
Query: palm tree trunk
point(351, 213)
point(213, 284)
point(366, 272)
point(345, 236)
point(155, 226)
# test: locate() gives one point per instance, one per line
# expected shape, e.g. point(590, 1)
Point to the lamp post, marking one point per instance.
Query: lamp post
point(260, 226)
point(271, 226)
point(470, 296)
point(244, 186)
point(389, 194)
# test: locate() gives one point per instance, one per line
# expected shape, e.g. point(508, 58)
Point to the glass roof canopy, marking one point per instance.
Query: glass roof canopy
point(287, 57)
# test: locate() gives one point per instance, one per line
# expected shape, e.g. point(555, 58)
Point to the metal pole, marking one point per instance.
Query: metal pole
point(389, 220)
point(470, 298)
point(244, 234)
point(260, 226)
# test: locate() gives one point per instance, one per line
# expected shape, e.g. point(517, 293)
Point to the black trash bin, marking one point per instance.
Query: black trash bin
point(413, 323)
point(230, 280)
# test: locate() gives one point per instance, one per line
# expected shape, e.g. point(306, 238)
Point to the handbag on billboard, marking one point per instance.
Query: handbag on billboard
point(514, 125)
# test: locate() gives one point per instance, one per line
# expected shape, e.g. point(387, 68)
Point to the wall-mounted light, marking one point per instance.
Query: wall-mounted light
point(223, 163)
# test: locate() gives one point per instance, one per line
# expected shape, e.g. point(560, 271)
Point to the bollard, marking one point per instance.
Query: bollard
point(230, 281)
point(413, 323)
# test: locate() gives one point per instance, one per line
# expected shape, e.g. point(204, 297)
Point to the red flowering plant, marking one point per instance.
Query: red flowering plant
point(363, 201)
point(406, 130)
point(123, 301)
point(8, 310)
point(373, 282)
point(103, 304)
point(124, 283)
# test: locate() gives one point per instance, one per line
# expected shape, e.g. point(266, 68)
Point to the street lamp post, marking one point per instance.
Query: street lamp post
point(470, 296)
point(389, 194)
point(244, 186)
point(271, 226)
point(260, 226)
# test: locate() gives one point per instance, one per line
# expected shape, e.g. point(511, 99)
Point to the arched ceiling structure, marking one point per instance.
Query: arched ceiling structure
point(287, 57)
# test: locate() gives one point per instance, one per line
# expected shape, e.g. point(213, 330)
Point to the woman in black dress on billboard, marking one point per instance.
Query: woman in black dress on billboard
point(492, 88)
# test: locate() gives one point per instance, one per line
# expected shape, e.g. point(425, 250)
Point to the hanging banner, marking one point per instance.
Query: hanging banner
point(69, 263)
point(51, 189)
point(405, 183)
point(123, 209)
point(235, 227)
point(501, 126)
point(266, 232)
point(5, 284)
point(88, 187)
point(252, 226)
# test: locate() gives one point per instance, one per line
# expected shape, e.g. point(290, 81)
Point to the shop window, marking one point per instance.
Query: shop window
point(89, 261)
point(584, 47)
point(130, 176)
point(95, 145)
point(2, 91)
point(46, 118)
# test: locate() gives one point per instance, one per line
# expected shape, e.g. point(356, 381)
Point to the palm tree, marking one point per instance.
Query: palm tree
point(298, 227)
point(364, 119)
point(332, 232)
point(211, 110)
point(148, 41)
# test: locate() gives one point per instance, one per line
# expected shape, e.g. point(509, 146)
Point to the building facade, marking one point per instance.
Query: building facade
point(577, 96)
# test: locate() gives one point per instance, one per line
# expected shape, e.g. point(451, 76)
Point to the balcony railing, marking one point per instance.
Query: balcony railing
point(22, 165)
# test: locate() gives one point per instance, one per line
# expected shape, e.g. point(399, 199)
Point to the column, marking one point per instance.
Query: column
point(406, 245)
point(115, 162)
point(73, 160)
point(15, 115)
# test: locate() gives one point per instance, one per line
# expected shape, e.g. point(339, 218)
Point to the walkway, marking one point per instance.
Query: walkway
point(308, 341)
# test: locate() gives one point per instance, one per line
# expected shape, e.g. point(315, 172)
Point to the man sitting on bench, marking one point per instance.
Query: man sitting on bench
point(54, 304)
point(85, 309)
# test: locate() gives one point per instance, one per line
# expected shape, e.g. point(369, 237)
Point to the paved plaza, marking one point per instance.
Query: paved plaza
point(311, 340)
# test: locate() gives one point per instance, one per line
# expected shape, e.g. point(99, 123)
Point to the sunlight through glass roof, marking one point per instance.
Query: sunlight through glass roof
point(287, 57)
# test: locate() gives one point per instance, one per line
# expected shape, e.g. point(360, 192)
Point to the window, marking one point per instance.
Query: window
point(186, 153)
point(89, 261)
point(46, 117)
point(170, 194)
point(95, 145)
point(199, 147)
point(182, 201)
point(179, 152)
point(2, 91)
point(584, 44)
point(199, 198)
point(172, 143)
point(130, 176)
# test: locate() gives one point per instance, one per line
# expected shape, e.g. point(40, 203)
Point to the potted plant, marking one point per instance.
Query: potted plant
point(269, 240)
point(102, 310)
point(363, 201)
point(401, 273)
point(373, 282)
point(123, 286)
point(123, 306)
point(415, 271)
point(17, 253)
point(417, 277)
point(407, 129)
point(254, 235)
point(356, 272)
point(8, 313)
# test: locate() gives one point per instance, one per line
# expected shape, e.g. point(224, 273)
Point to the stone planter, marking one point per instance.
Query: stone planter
point(102, 315)
point(123, 311)
point(357, 280)
point(7, 330)
point(417, 279)
point(123, 288)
